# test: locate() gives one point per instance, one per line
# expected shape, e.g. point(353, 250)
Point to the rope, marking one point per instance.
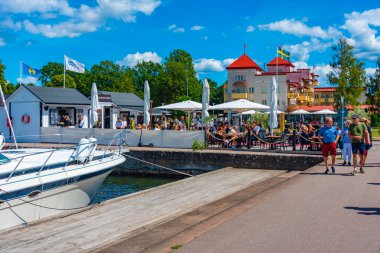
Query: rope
point(166, 168)
point(47, 207)
point(315, 142)
point(274, 142)
point(225, 140)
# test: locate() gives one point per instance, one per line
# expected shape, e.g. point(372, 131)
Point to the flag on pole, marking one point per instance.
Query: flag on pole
point(283, 53)
point(73, 65)
point(28, 71)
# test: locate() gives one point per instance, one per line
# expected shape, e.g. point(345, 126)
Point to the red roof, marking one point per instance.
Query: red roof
point(324, 89)
point(280, 62)
point(244, 62)
point(315, 108)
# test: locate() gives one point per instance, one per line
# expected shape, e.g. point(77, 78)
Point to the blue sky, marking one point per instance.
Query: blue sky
point(212, 31)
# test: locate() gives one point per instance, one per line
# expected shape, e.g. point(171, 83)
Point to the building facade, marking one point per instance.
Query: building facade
point(248, 81)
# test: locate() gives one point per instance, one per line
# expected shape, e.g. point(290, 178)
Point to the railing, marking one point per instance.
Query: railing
point(71, 158)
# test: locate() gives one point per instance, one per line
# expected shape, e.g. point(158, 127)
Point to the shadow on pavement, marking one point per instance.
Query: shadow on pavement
point(374, 183)
point(323, 174)
point(365, 210)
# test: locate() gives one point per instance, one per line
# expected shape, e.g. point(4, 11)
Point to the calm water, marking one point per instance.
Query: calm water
point(115, 186)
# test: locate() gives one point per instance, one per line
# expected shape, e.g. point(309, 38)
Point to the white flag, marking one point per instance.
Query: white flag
point(73, 65)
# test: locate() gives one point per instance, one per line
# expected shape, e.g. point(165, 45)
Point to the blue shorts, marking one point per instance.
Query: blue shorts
point(358, 147)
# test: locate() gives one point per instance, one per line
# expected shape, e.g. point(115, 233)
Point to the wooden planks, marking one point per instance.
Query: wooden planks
point(124, 217)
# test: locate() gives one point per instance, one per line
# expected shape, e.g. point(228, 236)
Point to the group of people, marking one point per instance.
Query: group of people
point(356, 137)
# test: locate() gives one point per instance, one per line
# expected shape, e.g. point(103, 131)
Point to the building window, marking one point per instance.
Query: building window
point(264, 90)
point(278, 101)
point(251, 90)
point(226, 90)
point(54, 117)
point(239, 78)
point(264, 102)
point(278, 90)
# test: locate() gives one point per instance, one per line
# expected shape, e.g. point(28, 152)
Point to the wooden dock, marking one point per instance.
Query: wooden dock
point(116, 220)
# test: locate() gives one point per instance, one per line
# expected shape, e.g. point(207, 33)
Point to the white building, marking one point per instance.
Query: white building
point(33, 107)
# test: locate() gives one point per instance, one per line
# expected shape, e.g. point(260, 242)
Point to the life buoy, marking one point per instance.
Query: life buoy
point(25, 119)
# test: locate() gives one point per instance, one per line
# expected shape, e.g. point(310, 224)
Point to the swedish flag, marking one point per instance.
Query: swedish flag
point(283, 53)
point(28, 71)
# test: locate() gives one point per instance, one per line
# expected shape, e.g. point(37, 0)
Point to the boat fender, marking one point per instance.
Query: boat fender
point(83, 150)
point(93, 143)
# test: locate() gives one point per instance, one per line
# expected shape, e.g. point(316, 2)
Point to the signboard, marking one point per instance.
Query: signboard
point(104, 98)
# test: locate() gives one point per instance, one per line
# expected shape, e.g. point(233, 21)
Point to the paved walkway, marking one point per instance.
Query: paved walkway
point(313, 212)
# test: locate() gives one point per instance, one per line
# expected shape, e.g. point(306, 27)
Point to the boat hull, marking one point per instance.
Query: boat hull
point(65, 197)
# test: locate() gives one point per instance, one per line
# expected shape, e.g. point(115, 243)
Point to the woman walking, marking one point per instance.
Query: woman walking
point(346, 141)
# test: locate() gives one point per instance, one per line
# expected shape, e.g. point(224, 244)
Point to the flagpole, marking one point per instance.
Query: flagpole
point(19, 82)
point(64, 72)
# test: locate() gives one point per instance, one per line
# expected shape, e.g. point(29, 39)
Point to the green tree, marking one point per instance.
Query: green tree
point(179, 66)
point(57, 81)
point(347, 73)
point(8, 87)
point(216, 92)
point(49, 70)
point(373, 93)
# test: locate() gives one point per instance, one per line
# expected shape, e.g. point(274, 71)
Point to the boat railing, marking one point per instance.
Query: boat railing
point(118, 136)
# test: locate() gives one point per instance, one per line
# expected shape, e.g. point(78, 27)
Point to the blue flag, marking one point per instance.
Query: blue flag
point(28, 71)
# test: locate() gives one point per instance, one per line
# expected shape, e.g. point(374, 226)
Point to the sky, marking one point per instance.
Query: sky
point(214, 32)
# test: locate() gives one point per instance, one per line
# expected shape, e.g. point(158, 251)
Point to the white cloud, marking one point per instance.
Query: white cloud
point(64, 29)
point(370, 71)
point(197, 28)
point(361, 27)
point(8, 23)
point(211, 65)
point(25, 7)
point(76, 21)
point(302, 51)
point(320, 69)
point(250, 28)
point(2, 42)
point(132, 60)
point(176, 29)
point(205, 37)
point(27, 80)
point(298, 28)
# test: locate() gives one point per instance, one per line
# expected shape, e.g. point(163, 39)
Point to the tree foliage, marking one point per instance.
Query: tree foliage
point(347, 73)
point(373, 90)
point(172, 81)
point(7, 87)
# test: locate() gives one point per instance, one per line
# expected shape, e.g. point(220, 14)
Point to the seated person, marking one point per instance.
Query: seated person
point(118, 124)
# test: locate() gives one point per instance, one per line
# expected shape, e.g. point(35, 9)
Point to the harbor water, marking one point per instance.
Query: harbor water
point(119, 185)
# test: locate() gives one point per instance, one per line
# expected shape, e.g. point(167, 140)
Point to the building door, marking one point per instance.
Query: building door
point(107, 117)
point(26, 119)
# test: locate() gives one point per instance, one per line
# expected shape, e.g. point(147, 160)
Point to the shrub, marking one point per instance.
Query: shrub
point(375, 120)
point(197, 145)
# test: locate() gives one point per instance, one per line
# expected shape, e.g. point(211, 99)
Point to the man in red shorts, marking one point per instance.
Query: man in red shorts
point(328, 134)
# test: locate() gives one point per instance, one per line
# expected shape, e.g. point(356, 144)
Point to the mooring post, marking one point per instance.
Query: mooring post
point(294, 140)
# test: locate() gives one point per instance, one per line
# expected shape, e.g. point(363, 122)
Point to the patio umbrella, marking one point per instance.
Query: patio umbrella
point(187, 106)
point(277, 111)
point(205, 100)
point(300, 112)
point(273, 106)
point(325, 112)
point(146, 103)
point(249, 112)
point(239, 105)
point(94, 105)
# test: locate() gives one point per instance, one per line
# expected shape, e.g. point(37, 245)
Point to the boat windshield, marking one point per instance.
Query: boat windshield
point(3, 159)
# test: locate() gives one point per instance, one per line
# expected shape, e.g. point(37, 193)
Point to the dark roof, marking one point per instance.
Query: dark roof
point(279, 61)
point(52, 95)
point(128, 100)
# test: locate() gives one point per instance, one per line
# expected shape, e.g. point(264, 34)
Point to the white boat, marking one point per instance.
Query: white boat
point(38, 183)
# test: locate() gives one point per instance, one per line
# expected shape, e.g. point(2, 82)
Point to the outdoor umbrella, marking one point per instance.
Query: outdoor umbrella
point(273, 105)
point(278, 112)
point(205, 100)
point(239, 105)
point(300, 112)
point(187, 106)
point(146, 103)
point(94, 105)
point(325, 112)
point(249, 112)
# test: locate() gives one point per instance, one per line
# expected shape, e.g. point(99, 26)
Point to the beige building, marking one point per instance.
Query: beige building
point(247, 80)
